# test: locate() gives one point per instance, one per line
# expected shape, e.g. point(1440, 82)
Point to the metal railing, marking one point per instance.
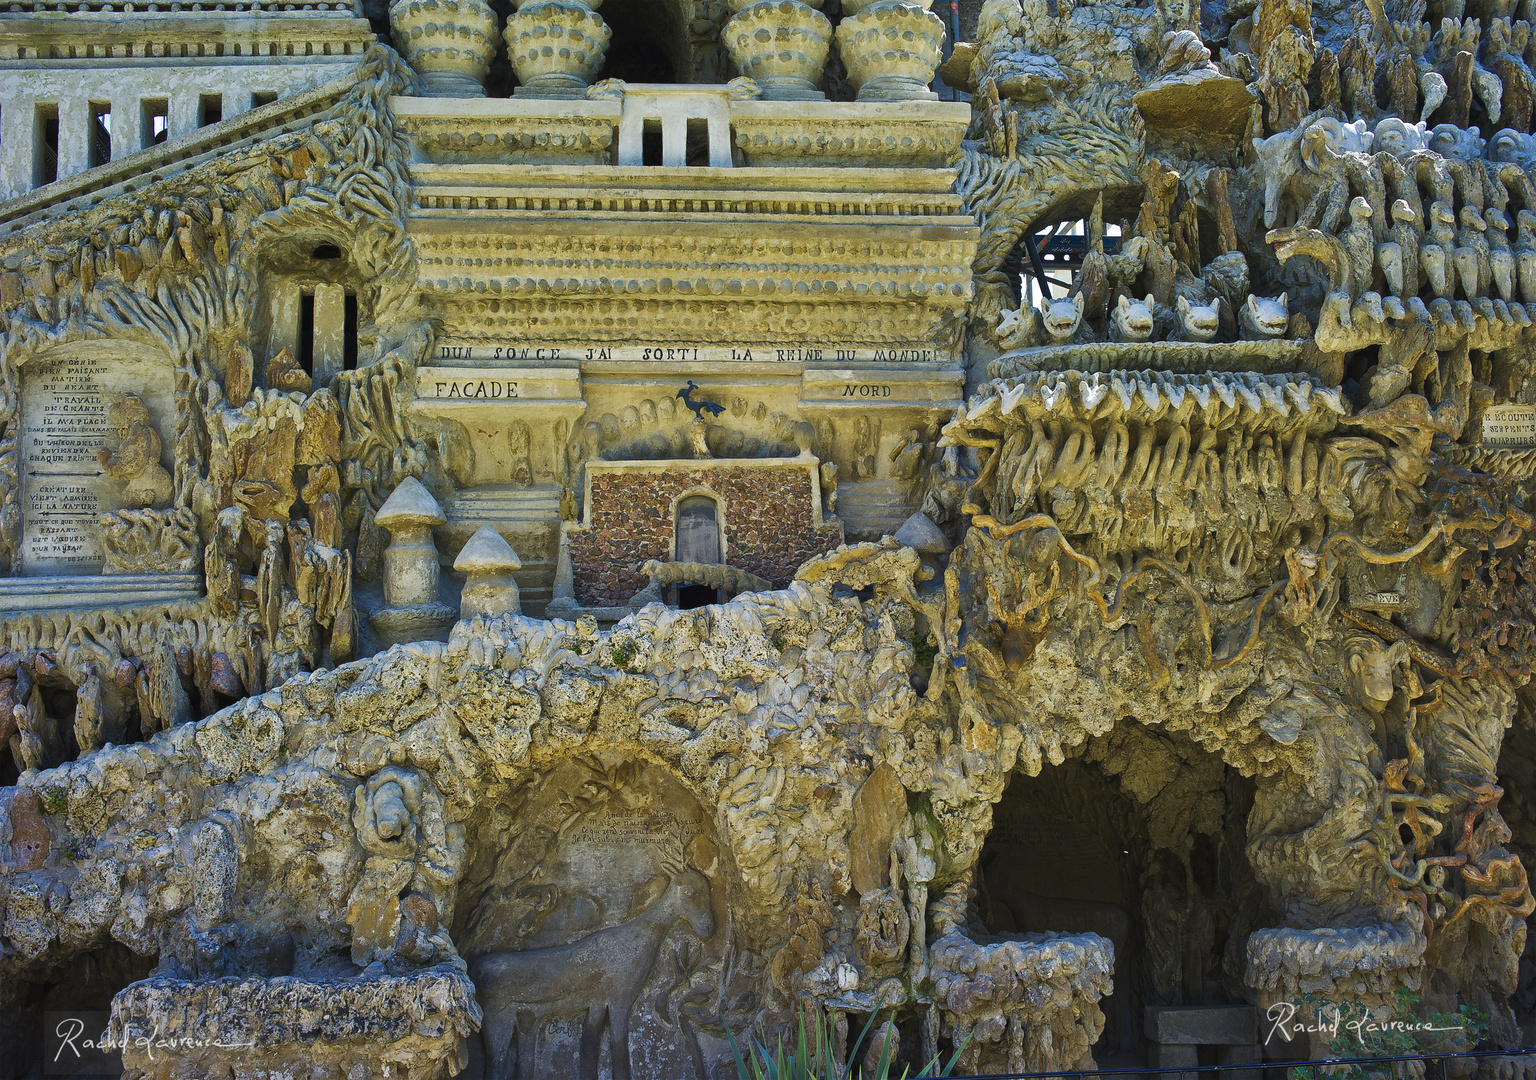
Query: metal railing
point(1275, 1070)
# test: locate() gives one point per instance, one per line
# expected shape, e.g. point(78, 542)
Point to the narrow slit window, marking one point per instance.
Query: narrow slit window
point(210, 109)
point(101, 133)
point(156, 120)
point(307, 332)
point(262, 97)
point(45, 168)
point(349, 334)
point(651, 144)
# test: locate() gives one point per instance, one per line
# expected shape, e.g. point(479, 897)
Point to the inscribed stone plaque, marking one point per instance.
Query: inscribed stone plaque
point(1509, 427)
point(64, 403)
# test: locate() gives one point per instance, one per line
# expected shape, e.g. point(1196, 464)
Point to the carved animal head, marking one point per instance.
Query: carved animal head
point(1200, 322)
point(1448, 140)
point(690, 898)
point(1525, 220)
point(1402, 211)
point(1372, 666)
point(1396, 136)
point(1510, 145)
point(1441, 216)
point(1133, 318)
point(1019, 328)
point(1359, 210)
point(1267, 317)
point(1063, 317)
point(1471, 219)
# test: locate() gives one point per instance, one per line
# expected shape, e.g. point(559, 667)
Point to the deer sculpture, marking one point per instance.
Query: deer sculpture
point(603, 973)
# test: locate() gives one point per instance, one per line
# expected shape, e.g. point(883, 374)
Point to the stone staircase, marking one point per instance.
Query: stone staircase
point(873, 508)
point(527, 517)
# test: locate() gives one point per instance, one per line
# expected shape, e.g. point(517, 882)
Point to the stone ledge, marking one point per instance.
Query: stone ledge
point(417, 1021)
point(799, 135)
point(97, 591)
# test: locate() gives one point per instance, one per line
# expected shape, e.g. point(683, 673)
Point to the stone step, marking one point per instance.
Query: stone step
point(505, 503)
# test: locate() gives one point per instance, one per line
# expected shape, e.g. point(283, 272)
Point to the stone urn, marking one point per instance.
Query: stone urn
point(450, 43)
point(891, 48)
point(556, 46)
point(781, 45)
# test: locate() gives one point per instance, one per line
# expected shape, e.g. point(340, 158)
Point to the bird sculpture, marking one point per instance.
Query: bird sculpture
point(699, 407)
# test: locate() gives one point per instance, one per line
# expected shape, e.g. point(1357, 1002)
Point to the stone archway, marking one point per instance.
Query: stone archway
point(595, 924)
point(1141, 840)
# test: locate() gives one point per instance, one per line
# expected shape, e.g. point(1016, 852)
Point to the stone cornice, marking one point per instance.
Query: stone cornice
point(207, 36)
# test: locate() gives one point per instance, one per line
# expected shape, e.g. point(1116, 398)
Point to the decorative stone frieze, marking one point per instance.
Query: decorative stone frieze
point(556, 46)
point(449, 42)
point(781, 45)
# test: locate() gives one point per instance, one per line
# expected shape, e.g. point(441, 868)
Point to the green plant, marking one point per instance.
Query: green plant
point(778, 640)
point(624, 652)
point(55, 801)
point(925, 654)
point(74, 848)
point(1357, 1032)
point(812, 1057)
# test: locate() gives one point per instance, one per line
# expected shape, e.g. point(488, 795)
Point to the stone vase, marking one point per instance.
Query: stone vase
point(556, 46)
point(781, 45)
point(891, 48)
point(450, 43)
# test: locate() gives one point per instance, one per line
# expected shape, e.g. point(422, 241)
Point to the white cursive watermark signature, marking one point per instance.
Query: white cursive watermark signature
point(71, 1034)
point(1289, 1022)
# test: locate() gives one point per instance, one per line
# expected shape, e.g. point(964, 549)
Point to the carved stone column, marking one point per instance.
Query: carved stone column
point(556, 46)
point(891, 48)
point(449, 42)
point(781, 45)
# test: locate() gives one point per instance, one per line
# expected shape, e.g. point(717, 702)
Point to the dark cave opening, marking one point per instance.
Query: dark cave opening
point(70, 1002)
point(1083, 848)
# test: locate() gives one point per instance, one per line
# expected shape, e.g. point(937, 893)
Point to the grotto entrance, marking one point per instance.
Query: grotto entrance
point(1141, 841)
point(595, 923)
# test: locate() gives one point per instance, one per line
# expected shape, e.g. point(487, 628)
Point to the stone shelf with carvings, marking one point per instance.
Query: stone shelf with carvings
point(742, 131)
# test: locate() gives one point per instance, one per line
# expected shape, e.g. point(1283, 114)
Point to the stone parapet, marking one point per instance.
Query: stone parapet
point(773, 134)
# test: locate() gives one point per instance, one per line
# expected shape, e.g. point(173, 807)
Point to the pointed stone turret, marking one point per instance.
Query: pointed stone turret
point(411, 575)
point(487, 562)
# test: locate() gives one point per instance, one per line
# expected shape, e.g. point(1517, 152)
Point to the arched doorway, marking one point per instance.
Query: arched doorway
point(1141, 840)
point(697, 540)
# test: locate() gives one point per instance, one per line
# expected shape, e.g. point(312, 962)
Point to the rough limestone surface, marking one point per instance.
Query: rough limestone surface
point(1045, 575)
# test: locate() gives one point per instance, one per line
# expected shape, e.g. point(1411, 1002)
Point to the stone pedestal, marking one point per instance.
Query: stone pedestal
point(450, 43)
point(891, 48)
point(487, 562)
point(781, 45)
point(414, 611)
point(556, 47)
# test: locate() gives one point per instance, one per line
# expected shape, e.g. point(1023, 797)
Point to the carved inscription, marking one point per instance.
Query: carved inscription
point(1509, 427)
point(775, 353)
point(65, 406)
point(630, 826)
point(65, 422)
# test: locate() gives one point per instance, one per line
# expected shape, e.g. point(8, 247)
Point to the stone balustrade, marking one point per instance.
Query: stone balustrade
point(108, 83)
